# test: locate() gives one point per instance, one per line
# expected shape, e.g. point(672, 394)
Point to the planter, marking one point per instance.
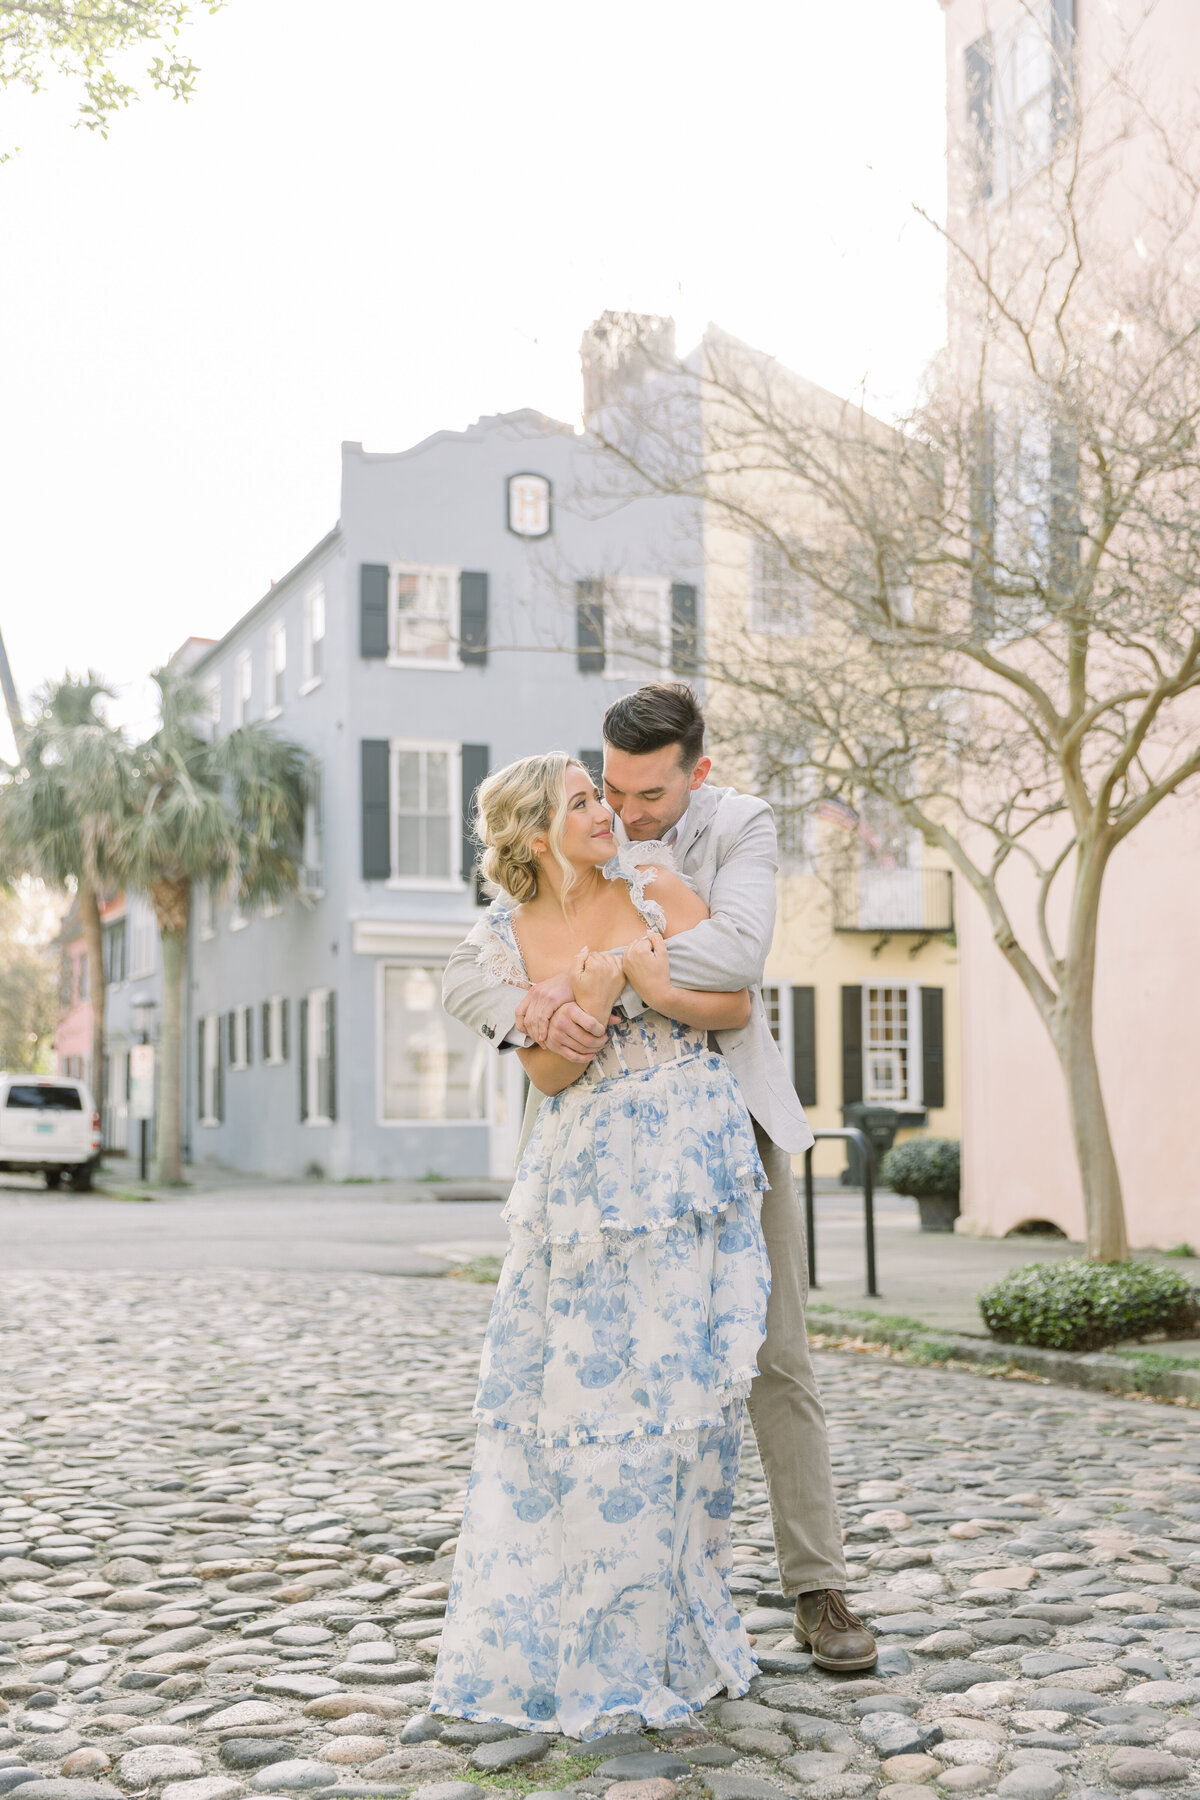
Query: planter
point(938, 1211)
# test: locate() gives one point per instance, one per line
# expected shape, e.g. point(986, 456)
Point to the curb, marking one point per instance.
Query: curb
point(1095, 1369)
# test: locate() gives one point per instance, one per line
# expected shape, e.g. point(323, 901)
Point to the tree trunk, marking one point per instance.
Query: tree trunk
point(1104, 1207)
point(93, 937)
point(168, 1125)
point(172, 902)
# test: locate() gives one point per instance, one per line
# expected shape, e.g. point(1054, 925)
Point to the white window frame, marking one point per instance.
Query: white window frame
point(426, 573)
point(276, 669)
point(314, 638)
point(440, 884)
point(315, 1019)
point(780, 598)
point(212, 694)
point(243, 688)
point(238, 1058)
point(210, 1064)
point(624, 598)
point(273, 1048)
point(796, 825)
point(914, 1099)
point(382, 969)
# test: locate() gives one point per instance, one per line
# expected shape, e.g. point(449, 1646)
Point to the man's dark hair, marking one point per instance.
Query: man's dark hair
point(661, 713)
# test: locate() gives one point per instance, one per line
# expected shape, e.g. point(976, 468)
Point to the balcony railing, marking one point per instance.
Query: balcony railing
point(894, 900)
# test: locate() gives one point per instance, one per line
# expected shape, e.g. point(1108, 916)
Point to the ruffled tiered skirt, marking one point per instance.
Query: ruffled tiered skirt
point(590, 1576)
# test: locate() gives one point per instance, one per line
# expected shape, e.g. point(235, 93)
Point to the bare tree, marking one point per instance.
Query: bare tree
point(988, 613)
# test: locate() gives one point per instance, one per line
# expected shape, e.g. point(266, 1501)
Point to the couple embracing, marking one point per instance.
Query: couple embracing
point(655, 1281)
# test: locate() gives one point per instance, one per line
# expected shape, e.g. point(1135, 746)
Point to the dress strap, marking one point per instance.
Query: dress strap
point(624, 867)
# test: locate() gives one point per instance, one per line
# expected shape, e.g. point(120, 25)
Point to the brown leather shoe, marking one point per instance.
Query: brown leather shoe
point(837, 1638)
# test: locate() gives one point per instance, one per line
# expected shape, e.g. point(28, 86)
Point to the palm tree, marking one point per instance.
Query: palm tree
point(210, 811)
point(63, 807)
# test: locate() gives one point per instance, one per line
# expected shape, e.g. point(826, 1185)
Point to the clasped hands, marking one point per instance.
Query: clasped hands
point(564, 1014)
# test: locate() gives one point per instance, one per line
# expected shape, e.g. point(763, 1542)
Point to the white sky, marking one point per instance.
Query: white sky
point(387, 217)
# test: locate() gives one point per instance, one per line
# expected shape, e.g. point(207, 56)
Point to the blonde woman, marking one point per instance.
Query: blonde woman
point(590, 1577)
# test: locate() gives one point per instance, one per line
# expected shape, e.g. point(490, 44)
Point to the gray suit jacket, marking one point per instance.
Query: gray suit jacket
point(727, 848)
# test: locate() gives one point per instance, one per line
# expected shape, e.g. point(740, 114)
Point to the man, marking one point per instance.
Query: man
point(655, 781)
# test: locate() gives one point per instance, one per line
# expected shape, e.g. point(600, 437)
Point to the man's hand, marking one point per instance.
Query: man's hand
point(647, 968)
point(574, 1034)
point(537, 1007)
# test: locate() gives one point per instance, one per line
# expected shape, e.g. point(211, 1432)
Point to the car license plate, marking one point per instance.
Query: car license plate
point(48, 1126)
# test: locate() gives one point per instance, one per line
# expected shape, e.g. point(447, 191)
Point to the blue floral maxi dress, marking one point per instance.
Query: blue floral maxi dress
point(590, 1576)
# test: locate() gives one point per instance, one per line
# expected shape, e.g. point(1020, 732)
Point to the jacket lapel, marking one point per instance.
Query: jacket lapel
point(699, 817)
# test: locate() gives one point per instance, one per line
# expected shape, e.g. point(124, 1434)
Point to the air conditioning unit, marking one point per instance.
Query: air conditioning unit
point(312, 883)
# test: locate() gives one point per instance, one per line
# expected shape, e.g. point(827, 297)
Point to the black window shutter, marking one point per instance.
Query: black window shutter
point(230, 1038)
point(302, 1058)
point(376, 822)
point(593, 762)
point(804, 1044)
point(1065, 524)
point(1062, 39)
point(683, 628)
point(283, 1030)
point(473, 619)
point(475, 759)
point(852, 1045)
point(589, 627)
point(249, 1012)
point(266, 1029)
point(372, 609)
point(331, 1029)
point(200, 1033)
point(979, 112)
point(933, 1055)
point(220, 1076)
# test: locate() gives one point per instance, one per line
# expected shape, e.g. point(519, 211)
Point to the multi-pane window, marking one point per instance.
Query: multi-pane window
point(887, 1045)
point(210, 1055)
point(425, 811)
point(433, 1067)
point(791, 793)
point(423, 605)
point(780, 596)
point(243, 677)
point(238, 1047)
point(206, 912)
point(319, 1091)
point(637, 629)
point(312, 880)
point(278, 666)
point(1018, 82)
point(143, 936)
point(114, 951)
point(314, 636)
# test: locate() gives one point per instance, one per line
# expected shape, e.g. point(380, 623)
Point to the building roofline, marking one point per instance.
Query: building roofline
point(272, 593)
point(525, 421)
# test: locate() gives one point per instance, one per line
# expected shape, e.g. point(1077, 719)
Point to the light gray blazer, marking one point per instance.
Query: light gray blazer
point(727, 848)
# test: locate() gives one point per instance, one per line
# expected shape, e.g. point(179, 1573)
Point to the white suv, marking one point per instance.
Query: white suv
point(49, 1126)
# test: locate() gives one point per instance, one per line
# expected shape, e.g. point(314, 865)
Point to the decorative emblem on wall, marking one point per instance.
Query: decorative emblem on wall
point(529, 505)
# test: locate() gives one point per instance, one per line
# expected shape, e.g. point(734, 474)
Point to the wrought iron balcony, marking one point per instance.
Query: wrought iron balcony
point(889, 901)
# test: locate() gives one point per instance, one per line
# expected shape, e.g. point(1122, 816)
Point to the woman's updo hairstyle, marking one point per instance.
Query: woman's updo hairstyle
point(528, 799)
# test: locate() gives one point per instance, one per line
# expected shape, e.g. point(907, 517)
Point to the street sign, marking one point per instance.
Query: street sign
point(141, 1081)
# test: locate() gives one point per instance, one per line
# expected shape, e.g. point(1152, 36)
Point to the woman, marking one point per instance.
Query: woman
point(590, 1577)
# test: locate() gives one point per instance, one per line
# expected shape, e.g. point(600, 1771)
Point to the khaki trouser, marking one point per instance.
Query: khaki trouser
point(785, 1408)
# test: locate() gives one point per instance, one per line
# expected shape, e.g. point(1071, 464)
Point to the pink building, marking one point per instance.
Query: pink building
point(1018, 1160)
point(73, 1033)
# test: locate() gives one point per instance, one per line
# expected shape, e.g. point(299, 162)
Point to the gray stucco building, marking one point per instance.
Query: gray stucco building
point(478, 600)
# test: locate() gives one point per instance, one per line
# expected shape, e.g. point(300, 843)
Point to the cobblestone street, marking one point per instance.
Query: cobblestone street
point(227, 1514)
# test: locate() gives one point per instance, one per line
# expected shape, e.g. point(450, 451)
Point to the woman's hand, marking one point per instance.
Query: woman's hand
point(596, 980)
point(647, 970)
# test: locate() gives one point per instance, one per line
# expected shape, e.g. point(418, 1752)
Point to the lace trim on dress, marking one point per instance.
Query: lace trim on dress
point(498, 958)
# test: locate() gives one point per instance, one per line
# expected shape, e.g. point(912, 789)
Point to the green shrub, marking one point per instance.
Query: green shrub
point(922, 1166)
point(1076, 1305)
